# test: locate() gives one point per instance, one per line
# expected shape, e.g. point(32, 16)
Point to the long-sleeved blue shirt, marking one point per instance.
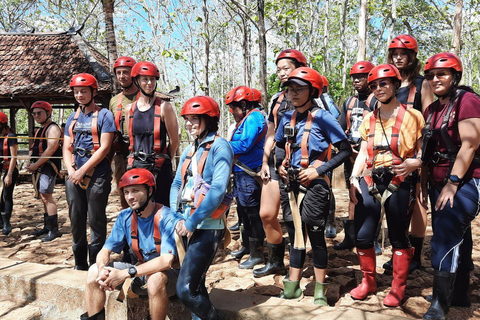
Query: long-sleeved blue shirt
point(245, 140)
point(216, 173)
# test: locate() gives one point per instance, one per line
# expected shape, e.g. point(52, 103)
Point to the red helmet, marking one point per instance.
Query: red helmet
point(145, 68)
point(43, 105)
point(303, 76)
point(238, 94)
point(84, 80)
point(3, 117)
point(257, 95)
point(362, 67)
point(325, 81)
point(293, 54)
point(384, 71)
point(137, 176)
point(201, 105)
point(124, 62)
point(443, 60)
point(404, 41)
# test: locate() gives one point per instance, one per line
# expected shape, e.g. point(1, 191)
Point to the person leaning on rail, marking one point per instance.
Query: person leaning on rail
point(45, 169)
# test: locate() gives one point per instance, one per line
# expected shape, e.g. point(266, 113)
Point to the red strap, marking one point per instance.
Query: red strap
point(275, 109)
point(72, 126)
point(118, 113)
point(411, 95)
point(156, 232)
point(288, 144)
point(39, 134)
point(94, 129)
point(351, 104)
point(130, 126)
point(157, 125)
point(369, 100)
point(201, 162)
point(6, 151)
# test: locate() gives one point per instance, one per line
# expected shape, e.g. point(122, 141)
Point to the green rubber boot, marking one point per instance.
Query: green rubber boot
point(291, 289)
point(320, 290)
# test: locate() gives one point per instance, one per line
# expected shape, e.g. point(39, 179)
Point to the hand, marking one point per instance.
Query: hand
point(102, 276)
point(8, 180)
point(182, 230)
point(265, 172)
point(407, 166)
point(447, 194)
point(283, 172)
point(31, 167)
point(354, 188)
point(115, 277)
point(77, 176)
point(307, 175)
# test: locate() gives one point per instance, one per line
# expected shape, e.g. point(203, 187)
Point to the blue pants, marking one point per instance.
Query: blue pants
point(451, 241)
point(191, 288)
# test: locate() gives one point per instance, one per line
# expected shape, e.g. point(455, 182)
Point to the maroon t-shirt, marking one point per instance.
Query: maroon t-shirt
point(467, 106)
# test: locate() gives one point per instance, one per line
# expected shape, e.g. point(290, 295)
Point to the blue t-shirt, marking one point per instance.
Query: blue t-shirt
point(83, 137)
point(122, 230)
point(325, 130)
point(244, 141)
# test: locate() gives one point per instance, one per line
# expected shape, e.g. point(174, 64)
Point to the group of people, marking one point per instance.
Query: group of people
point(398, 145)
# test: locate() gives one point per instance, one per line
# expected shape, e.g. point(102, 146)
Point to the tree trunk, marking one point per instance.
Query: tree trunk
point(246, 48)
point(392, 25)
point(325, 36)
point(110, 32)
point(457, 27)
point(206, 89)
point(344, 43)
point(297, 29)
point(362, 31)
point(262, 41)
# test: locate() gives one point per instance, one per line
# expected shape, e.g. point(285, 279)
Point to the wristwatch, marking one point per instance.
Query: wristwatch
point(132, 271)
point(454, 179)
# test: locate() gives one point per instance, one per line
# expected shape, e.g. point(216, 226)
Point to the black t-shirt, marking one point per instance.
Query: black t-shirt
point(10, 143)
point(284, 107)
point(402, 93)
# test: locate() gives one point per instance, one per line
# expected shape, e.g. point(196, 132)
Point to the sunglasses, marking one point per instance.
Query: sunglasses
point(440, 75)
point(359, 77)
point(36, 113)
point(382, 84)
point(296, 91)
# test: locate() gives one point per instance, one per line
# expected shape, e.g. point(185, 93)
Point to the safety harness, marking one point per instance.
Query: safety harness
point(119, 117)
point(159, 146)
point(278, 103)
point(304, 163)
point(156, 232)
point(396, 158)
point(6, 151)
point(411, 95)
point(81, 151)
point(353, 103)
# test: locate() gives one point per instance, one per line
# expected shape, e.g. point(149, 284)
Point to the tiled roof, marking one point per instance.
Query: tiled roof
point(42, 64)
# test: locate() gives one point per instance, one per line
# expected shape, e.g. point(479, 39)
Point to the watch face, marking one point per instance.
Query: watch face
point(454, 178)
point(132, 271)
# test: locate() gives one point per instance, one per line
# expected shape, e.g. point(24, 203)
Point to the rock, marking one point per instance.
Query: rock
point(236, 284)
point(416, 306)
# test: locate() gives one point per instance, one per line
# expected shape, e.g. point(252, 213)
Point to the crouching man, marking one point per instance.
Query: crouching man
point(148, 229)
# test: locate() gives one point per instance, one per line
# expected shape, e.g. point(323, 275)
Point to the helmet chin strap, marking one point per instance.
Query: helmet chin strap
point(145, 204)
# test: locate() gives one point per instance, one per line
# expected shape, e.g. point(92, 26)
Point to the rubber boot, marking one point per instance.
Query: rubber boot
point(80, 255)
point(330, 230)
point(442, 295)
point(319, 297)
point(98, 316)
point(460, 296)
point(291, 289)
point(92, 254)
point(416, 263)
point(43, 231)
point(388, 265)
point(276, 252)
point(256, 254)
point(7, 227)
point(52, 225)
point(245, 249)
point(367, 259)
point(349, 240)
point(401, 264)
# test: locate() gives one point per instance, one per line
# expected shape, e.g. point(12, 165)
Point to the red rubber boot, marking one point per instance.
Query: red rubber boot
point(401, 263)
point(368, 262)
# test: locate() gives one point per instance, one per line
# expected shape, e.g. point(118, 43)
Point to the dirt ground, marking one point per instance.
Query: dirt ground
point(343, 270)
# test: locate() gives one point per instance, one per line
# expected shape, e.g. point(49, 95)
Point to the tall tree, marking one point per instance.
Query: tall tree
point(262, 43)
point(457, 27)
point(108, 10)
point(362, 31)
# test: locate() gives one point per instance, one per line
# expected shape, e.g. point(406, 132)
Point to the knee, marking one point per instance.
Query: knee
point(157, 283)
point(92, 275)
point(183, 290)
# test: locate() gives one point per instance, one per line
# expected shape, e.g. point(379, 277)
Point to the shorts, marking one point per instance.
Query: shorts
point(139, 283)
point(274, 175)
point(46, 182)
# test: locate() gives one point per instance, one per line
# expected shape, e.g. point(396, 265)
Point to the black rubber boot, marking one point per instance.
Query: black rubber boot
point(52, 226)
point(7, 227)
point(416, 263)
point(442, 295)
point(275, 264)
point(43, 231)
point(349, 241)
point(330, 231)
point(460, 296)
point(98, 316)
point(80, 255)
point(92, 254)
point(256, 254)
point(245, 249)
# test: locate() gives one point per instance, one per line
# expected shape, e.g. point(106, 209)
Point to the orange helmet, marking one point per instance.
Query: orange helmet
point(145, 68)
point(325, 81)
point(84, 80)
point(306, 76)
point(384, 71)
point(362, 67)
point(443, 60)
point(137, 176)
point(124, 62)
point(294, 55)
point(257, 95)
point(3, 117)
point(238, 94)
point(404, 41)
point(201, 105)
point(43, 105)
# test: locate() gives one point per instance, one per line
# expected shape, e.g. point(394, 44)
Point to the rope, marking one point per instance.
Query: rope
point(31, 138)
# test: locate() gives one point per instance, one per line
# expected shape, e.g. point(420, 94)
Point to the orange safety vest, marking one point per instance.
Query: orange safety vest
point(157, 137)
point(156, 232)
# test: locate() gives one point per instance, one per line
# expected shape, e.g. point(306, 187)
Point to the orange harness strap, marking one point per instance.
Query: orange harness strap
point(93, 129)
point(275, 109)
point(156, 232)
point(351, 104)
point(411, 95)
point(6, 151)
point(119, 117)
point(259, 138)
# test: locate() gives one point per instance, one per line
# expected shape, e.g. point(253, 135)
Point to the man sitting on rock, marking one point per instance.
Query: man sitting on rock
point(148, 229)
